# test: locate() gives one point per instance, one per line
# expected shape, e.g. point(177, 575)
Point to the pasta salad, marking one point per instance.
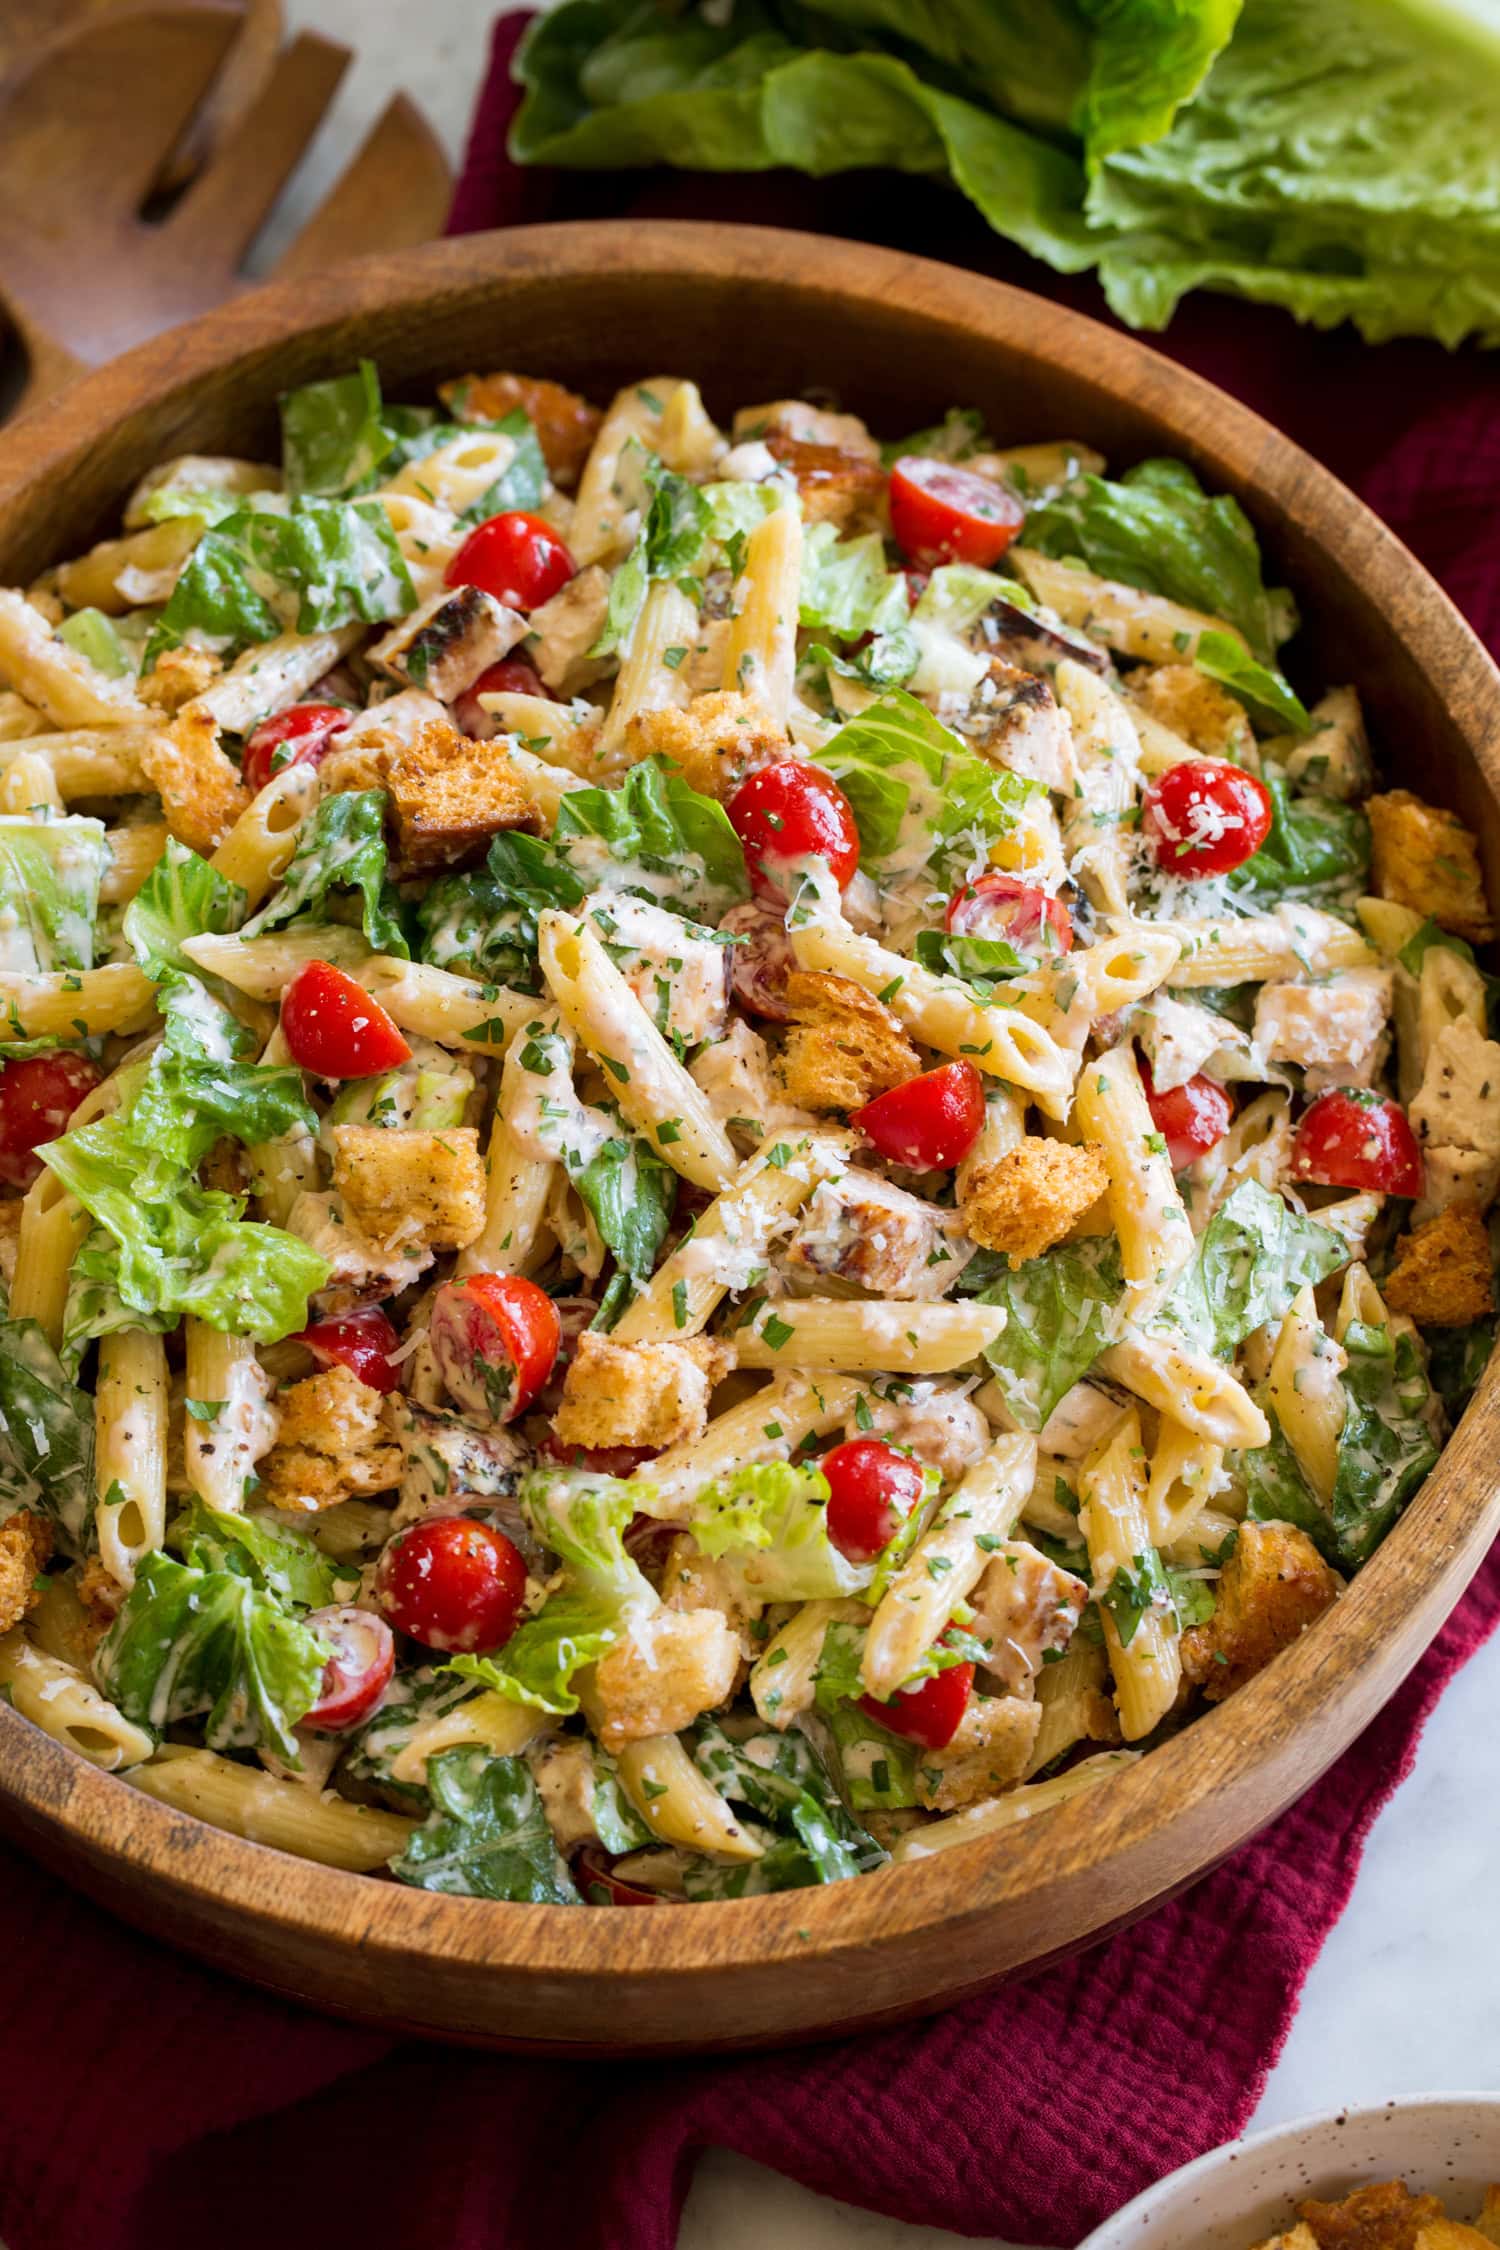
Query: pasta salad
point(728, 1153)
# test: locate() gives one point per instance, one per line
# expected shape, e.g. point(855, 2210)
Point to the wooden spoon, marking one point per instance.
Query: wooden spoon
point(85, 269)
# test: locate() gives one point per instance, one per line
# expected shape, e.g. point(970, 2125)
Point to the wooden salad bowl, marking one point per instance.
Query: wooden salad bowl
point(757, 314)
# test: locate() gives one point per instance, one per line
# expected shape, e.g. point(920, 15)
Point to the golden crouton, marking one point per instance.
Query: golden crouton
point(100, 1594)
point(693, 1580)
point(333, 1443)
point(1205, 715)
point(638, 1394)
point(1272, 1587)
point(1384, 2216)
point(989, 1752)
point(1443, 1276)
point(717, 741)
point(662, 1674)
point(1029, 1198)
point(179, 675)
point(200, 791)
point(1449, 2234)
point(1488, 2222)
point(25, 1546)
point(1426, 859)
point(449, 796)
point(843, 1046)
point(566, 425)
point(835, 485)
point(401, 1188)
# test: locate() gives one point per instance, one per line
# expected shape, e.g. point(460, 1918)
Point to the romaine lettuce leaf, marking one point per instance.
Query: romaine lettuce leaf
point(769, 1521)
point(1250, 1261)
point(782, 1778)
point(184, 897)
point(341, 848)
point(487, 1834)
point(318, 564)
point(1317, 850)
point(674, 529)
point(919, 797)
point(668, 829)
point(1057, 1311)
point(847, 587)
point(409, 1703)
point(1265, 694)
point(485, 922)
point(333, 437)
point(197, 1643)
point(631, 1192)
point(540, 1661)
point(46, 1436)
point(276, 1559)
point(50, 872)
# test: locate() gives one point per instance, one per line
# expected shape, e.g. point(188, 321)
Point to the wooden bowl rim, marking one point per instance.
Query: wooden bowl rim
point(1140, 1808)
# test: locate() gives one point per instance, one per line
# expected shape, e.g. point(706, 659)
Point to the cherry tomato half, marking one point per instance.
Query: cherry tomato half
point(511, 676)
point(362, 1340)
point(358, 1671)
point(872, 1489)
point(930, 1122)
point(37, 1097)
point(789, 812)
point(941, 513)
point(598, 1460)
point(762, 960)
point(494, 1337)
point(452, 1583)
point(1203, 817)
point(930, 1714)
point(333, 1027)
point(1355, 1139)
point(302, 736)
point(516, 557)
point(1002, 906)
point(1191, 1119)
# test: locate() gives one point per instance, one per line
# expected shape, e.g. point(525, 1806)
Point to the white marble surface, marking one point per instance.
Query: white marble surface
point(1403, 1998)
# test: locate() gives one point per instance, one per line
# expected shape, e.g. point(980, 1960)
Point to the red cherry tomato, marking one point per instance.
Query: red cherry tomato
point(1191, 1119)
point(930, 1122)
point(358, 1671)
point(872, 1489)
point(1002, 906)
point(791, 811)
point(1203, 817)
point(1355, 1139)
point(930, 1714)
point(516, 557)
point(333, 1027)
point(302, 736)
point(494, 1337)
point(598, 1460)
point(362, 1340)
point(601, 1886)
point(453, 1584)
point(941, 513)
point(37, 1097)
point(511, 676)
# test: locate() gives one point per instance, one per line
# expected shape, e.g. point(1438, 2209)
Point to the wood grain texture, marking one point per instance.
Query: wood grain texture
point(756, 314)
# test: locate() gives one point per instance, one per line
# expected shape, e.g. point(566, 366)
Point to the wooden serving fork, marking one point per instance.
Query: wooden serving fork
point(105, 121)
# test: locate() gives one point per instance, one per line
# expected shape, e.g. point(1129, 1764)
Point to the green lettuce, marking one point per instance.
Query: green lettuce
point(1386, 1450)
point(50, 872)
point(1317, 850)
point(1338, 157)
point(484, 923)
point(1057, 1322)
point(847, 586)
point(782, 1779)
point(341, 848)
point(769, 1520)
point(674, 529)
point(333, 435)
point(191, 1643)
point(1265, 694)
point(319, 564)
point(46, 1436)
point(630, 1192)
point(183, 897)
point(486, 1836)
point(582, 1518)
point(410, 1702)
point(275, 1559)
point(918, 796)
point(1248, 1264)
point(667, 828)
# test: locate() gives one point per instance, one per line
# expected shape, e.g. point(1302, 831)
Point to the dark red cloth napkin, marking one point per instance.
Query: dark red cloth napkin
point(148, 2105)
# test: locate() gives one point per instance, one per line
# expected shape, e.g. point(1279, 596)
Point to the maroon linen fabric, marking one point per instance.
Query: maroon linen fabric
point(147, 2104)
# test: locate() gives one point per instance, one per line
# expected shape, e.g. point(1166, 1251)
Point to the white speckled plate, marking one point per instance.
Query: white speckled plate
point(1446, 2145)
